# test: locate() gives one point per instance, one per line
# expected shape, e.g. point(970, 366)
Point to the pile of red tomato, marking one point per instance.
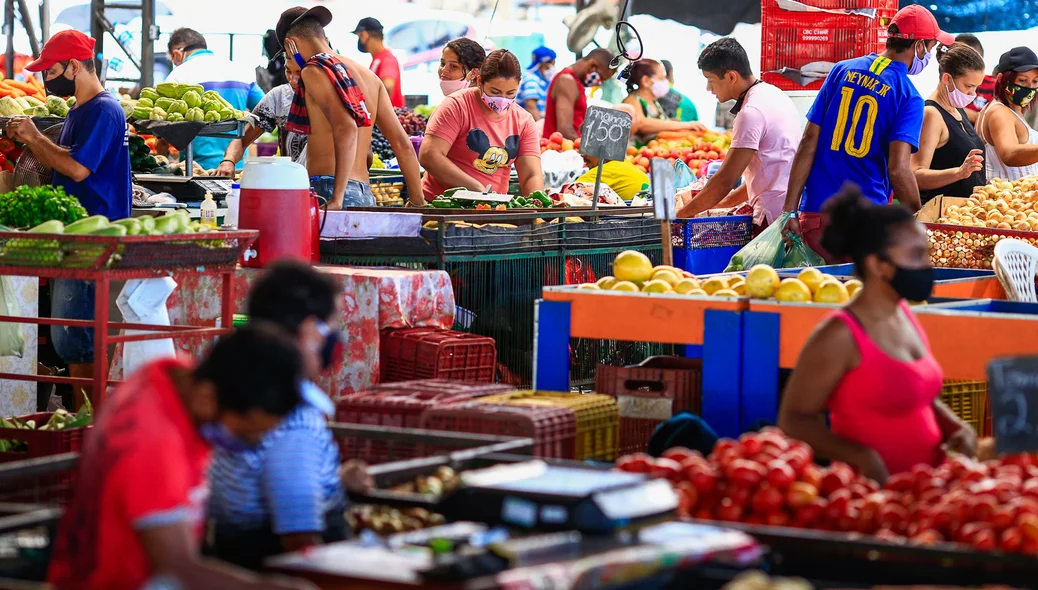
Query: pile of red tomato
point(767, 478)
point(9, 153)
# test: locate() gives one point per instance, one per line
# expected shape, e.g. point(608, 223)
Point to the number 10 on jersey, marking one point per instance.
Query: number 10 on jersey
point(865, 107)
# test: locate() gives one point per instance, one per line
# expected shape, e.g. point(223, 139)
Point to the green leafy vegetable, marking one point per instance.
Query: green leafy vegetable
point(28, 206)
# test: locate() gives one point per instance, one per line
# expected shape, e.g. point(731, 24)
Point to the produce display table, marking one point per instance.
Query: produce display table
point(373, 299)
point(104, 260)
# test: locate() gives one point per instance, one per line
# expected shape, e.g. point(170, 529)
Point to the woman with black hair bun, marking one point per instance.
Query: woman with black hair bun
point(869, 364)
point(646, 84)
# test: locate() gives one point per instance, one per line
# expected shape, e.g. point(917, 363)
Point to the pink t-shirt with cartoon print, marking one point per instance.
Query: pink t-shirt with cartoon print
point(482, 147)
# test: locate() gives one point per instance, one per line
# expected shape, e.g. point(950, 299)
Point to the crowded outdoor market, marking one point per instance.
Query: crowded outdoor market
point(518, 294)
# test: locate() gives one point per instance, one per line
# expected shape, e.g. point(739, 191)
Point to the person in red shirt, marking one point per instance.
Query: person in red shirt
point(869, 364)
point(566, 105)
point(136, 516)
point(383, 62)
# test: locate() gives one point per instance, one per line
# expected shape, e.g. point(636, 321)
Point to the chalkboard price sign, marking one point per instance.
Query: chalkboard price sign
point(1013, 393)
point(605, 133)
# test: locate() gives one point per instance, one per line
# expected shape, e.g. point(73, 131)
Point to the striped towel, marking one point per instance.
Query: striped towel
point(351, 95)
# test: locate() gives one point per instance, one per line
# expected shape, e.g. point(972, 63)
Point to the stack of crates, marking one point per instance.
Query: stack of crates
point(400, 405)
point(597, 419)
point(428, 353)
point(49, 488)
point(649, 394)
point(794, 39)
point(552, 428)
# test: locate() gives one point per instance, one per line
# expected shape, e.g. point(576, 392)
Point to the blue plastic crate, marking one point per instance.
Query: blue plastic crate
point(705, 245)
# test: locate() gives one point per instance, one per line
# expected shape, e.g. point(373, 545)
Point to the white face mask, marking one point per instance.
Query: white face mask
point(449, 87)
point(548, 74)
point(660, 88)
point(958, 98)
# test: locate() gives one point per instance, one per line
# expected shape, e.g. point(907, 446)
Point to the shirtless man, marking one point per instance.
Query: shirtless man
point(337, 142)
point(567, 97)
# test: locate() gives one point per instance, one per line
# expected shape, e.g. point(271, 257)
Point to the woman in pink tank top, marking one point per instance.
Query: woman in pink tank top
point(869, 365)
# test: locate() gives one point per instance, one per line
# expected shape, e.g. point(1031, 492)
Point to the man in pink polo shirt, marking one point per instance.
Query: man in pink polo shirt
point(767, 132)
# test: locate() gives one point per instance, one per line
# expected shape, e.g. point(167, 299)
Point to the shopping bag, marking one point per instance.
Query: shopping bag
point(800, 255)
point(12, 343)
point(143, 301)
point(767, 248)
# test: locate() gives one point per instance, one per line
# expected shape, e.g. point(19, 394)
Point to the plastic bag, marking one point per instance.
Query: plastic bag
point(12, 343)
point(800, 255)
point(767, 248)
point(683, 176)
point(143, 301)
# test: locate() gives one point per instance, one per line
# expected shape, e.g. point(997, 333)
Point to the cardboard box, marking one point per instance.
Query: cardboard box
point(936, 207)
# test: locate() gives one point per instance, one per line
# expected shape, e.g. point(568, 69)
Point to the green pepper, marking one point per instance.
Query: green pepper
point(540, 197)
point(450, 192)
point(445, 204)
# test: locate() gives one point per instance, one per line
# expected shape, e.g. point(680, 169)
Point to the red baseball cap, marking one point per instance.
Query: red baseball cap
point(63, 46)
point(916, 22)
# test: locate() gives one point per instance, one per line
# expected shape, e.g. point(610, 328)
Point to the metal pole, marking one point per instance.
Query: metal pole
point(9, 31)
point(34, 43)
point(44, 21)
point(97, 30)
point(149, 35)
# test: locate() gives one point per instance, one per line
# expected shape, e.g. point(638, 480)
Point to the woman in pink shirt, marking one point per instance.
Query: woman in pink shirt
point(477, 134)
point(870, 364)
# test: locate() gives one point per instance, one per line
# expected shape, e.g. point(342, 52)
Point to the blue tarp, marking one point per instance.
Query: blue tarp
point(976, 16)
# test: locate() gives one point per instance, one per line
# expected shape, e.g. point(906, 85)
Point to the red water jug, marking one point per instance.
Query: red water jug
point(275, 199)
point(315, 227)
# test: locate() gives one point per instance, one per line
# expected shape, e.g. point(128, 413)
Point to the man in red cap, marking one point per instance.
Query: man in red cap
point(864, 126)
point(91, 161)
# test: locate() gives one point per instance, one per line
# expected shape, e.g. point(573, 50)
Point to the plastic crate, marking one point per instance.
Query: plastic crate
point(969, 401)
point(400, 405)
point(41, 443)
point(553, 429)
point(649, 394)
point(598, 419)
point(428, 353)
point(705, 245)
point(47, 481)
point(795, 39)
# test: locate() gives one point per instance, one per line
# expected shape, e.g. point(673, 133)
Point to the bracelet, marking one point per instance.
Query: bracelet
point(232, 162)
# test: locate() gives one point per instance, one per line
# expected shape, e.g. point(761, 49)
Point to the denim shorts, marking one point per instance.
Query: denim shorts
point(358, 194)
point(73, 300)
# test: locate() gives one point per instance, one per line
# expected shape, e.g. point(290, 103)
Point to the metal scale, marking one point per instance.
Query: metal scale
point(188, 188)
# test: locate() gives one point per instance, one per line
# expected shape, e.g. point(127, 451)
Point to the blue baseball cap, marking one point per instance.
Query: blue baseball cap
point(541, 55)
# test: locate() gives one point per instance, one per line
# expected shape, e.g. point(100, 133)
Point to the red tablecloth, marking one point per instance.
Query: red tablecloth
point(373, 299)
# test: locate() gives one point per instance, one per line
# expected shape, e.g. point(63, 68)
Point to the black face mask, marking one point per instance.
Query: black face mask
point(332, 350)
point(1021, 96)
point(913, 284)
point(360, 46)
point(60, 85)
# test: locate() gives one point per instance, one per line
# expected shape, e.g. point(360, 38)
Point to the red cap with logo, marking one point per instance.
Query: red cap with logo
point(916, 22)
point(63, 46)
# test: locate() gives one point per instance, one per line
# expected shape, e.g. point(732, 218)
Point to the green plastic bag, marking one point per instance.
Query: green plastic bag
point(767, 248)
point(800, 255)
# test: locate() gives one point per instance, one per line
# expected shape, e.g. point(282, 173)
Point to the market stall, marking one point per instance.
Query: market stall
point(374, 299)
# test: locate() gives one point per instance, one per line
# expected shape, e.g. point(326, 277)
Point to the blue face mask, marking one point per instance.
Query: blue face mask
point(217, 435)
point(291, 46)
point(919, 64)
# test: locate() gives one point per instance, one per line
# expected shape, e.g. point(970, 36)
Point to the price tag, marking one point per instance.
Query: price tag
point(605, 133)
point(662, 189)
point(1013, 393)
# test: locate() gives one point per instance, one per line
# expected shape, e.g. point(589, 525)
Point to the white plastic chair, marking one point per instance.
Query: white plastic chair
point(1015, 266)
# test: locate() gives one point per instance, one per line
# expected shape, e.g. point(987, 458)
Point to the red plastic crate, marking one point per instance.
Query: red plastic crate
point(42, 443)
point(553, 430)
point(400, 405)
point(427, 353)
point(649, 394)
point(795, 39)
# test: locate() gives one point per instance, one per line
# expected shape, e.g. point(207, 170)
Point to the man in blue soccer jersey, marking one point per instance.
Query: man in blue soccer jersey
point(864, 126)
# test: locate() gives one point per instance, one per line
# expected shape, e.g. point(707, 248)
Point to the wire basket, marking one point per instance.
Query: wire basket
point(85, 252)
point(553, 429)
point(428, 353)
point(598, 420)
point(400, 405)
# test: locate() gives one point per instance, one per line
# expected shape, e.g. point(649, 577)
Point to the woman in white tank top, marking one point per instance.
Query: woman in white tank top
point(1011, 146)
